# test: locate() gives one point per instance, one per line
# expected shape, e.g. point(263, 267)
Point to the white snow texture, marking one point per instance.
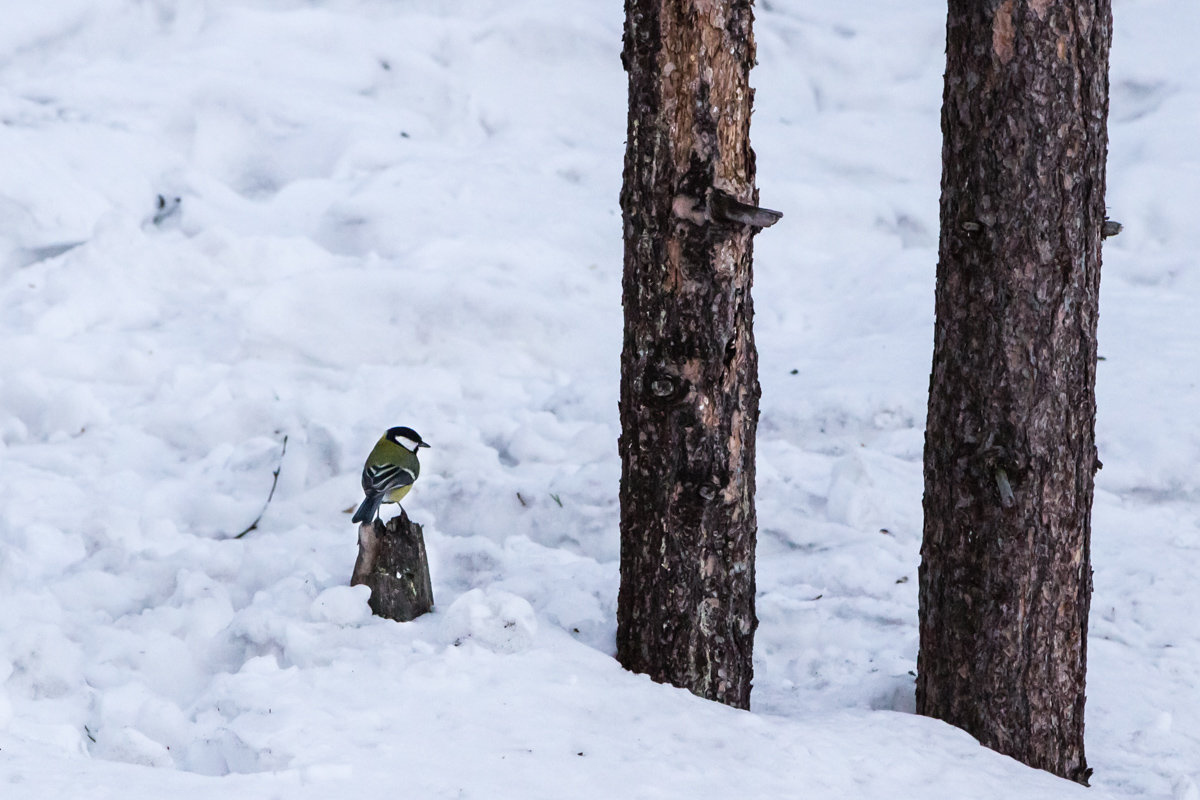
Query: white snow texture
point(405, 213)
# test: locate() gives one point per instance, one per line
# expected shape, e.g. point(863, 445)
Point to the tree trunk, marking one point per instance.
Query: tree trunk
point(689, 372)
point(392, 561)
point(1005, 578)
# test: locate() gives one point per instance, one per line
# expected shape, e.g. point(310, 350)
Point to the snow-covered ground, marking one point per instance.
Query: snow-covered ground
point(406, 214)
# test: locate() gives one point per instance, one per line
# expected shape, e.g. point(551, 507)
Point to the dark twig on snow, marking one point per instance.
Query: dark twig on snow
point(274, 483)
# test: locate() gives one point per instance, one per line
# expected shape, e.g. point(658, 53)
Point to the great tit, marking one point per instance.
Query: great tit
point(390, 471)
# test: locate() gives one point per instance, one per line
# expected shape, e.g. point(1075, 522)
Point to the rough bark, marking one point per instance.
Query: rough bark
point(689, 380)
point(392, 561)
point(1005, 578)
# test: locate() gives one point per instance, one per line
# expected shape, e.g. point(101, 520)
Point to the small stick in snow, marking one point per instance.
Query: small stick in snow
point(274, 483)
point(165, 209)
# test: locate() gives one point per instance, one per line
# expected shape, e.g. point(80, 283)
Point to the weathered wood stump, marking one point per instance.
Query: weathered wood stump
point(392, 561)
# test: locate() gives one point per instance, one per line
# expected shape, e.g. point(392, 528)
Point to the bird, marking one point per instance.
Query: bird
point(390, 471)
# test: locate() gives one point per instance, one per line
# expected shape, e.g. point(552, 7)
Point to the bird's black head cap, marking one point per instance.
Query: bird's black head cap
point(396, 434)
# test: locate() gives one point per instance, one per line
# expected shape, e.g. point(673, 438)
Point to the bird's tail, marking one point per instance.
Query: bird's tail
point(369, 508)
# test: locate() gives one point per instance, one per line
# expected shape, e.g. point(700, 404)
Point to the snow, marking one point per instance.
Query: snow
point(406, 214)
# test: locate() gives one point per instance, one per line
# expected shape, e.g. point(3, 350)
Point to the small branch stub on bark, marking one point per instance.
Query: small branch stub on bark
point(724, 207)
point(392, 561)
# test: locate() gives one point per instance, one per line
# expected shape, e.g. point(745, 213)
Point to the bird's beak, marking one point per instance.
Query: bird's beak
point(421, 444)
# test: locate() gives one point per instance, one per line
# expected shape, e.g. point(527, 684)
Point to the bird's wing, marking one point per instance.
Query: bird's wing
point(382, 478)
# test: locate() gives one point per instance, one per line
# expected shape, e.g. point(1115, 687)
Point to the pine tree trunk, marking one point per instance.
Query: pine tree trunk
point(1005, 578)
point(689, 372)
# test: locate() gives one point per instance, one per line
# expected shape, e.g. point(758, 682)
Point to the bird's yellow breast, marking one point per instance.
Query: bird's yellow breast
point(397, 494)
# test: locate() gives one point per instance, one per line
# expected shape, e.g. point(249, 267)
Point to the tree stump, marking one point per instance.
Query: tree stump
point(392, 561)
